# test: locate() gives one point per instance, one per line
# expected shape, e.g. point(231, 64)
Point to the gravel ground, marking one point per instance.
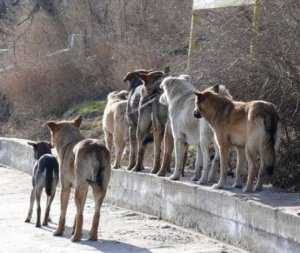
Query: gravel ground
point(121, 230)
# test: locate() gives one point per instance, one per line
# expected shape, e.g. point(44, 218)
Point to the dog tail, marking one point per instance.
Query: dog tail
point(148, 139)
point(51, 174)
point(100, 172)
point(271, 125)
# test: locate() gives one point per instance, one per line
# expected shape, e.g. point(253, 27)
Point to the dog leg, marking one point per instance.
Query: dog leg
point(140, 150)
point(132, 145)
point(224, 153)
point(47, 212)
point(215, 164)
point(99, 197)
point(32, 198)
point(206, 158)
point(184, 158)
point(158, 135)
point(38, 194)
point(198, 164)
point(238, 182)
point(80, 197)
point(64, 199)
point(168, 150)
point(119, 147)
point(261, 173)
point(179, 156)
point(74, 226)
point(251, 170)
point(108, 137)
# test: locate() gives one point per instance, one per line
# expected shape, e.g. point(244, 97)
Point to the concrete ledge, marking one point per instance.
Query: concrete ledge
point(263, 223)
point(16, 153)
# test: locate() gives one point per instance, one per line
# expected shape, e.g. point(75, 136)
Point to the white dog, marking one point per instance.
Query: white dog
point(179, 96)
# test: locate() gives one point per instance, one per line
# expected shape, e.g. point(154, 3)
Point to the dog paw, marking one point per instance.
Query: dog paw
point(161, 174)
point(258, 188)
point(75, 238)
point(247, 189)
point(129, 168)
point(93, 238)
point(45, 223)
point(38, 225)
point(237, 185)
point(137, 169)
point(211, 178)
point(58, 233)
point(27, 220)
point(116, 167)
point(217, 186)
point(195, 178)
point(154, 171)
point(202, 181)
point(174, 177)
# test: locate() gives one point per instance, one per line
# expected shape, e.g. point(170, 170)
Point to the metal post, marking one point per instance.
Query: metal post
point(192, 41)
point(255, 28)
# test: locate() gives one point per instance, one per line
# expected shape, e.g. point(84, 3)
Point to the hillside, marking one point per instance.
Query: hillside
point(59, 54)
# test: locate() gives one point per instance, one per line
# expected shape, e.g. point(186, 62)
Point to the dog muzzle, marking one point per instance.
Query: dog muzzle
point(197, 114)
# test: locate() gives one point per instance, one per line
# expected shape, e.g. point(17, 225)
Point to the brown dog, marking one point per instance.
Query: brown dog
point(115, 124)
point(251, 127)
point(145, 115)
point(83, 162)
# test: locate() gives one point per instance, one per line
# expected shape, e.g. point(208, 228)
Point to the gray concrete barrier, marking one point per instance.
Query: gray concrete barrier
point(264, 223)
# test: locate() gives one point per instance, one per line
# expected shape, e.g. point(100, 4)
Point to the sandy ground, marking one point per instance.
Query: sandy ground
point(121, 230)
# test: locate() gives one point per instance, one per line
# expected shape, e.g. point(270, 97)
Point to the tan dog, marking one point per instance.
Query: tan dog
point(251, 127)
point(115, 124)
point(83, 162)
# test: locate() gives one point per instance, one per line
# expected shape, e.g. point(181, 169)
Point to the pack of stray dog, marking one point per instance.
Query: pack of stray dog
point(171, 111)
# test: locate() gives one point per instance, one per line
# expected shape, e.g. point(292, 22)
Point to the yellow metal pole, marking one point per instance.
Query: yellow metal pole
point(255, 28)
point(193, 40)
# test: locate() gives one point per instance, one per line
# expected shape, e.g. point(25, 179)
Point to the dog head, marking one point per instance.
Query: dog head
point(203, 104)
point(211, 99)
point(40, 148)
point(152, 81)
point(134, 78)
point(118, 95)
point(220, 89)
point(64, 132)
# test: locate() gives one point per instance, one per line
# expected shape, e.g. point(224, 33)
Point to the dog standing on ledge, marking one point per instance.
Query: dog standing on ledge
point(115, 125)
point(251, 127)
point(45, 175)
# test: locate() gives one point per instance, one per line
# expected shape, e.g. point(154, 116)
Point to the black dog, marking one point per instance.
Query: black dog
point(45, 174)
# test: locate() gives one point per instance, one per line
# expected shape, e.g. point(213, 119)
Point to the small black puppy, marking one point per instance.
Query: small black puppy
point(45, 174)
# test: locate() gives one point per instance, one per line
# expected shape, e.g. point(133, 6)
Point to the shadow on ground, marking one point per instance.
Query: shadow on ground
point(105, 246)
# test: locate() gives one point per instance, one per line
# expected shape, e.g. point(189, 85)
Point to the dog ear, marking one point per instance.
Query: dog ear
point(134, 74)
point(53, 126)
point(77, 121)
point(152, 76)
point(49, 144)
point(123, 94)
point(198, 93)
point(144, 77)
point(216, 88)
point(33, 144)
point(167, 70)
point(128, 77)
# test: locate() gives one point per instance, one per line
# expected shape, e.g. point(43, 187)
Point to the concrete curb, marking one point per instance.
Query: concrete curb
point(230, 216)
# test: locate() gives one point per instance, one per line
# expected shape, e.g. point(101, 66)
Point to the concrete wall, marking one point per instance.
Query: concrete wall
point(229, 216)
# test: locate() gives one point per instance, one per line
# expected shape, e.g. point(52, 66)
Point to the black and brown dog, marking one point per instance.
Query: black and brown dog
point(45, 175)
